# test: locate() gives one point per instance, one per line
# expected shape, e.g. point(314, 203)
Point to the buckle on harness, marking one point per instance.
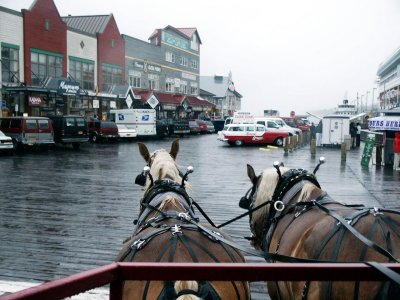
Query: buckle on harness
point(176, 229)
point(138, 244)
point(377, 211)
point(184, 216)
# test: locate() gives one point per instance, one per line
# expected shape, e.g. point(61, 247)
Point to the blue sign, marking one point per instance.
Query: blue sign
point(3, 103)
point(145, 118)
point(121, 117)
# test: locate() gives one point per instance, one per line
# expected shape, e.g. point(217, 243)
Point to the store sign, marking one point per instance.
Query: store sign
point(66, 87)
point(35, 100)
point(153, 102)
point(96, 103)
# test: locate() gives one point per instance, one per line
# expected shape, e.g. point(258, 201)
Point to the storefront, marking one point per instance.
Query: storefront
point(388, 125)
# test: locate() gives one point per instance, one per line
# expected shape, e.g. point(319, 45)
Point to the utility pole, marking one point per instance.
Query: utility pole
point(366, 102)
point(372, 101)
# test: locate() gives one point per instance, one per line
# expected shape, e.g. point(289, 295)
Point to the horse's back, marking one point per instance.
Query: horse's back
point(317, 235)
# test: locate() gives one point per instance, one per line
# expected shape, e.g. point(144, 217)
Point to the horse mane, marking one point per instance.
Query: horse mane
point(163, 167)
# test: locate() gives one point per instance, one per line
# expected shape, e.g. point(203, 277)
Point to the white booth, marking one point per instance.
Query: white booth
point(336, 128)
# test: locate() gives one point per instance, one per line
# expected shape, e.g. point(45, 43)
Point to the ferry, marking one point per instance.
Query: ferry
point(346, 109)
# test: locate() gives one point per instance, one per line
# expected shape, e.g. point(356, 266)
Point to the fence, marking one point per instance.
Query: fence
point(116, 273)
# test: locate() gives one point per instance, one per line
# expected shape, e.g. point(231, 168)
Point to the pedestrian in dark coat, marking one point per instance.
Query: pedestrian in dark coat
point(353, 134)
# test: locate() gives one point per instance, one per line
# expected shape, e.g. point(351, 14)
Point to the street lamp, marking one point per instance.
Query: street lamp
point(366, 102)
point(361, 106)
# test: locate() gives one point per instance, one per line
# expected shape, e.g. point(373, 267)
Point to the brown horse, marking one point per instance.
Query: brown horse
point(299, 220)
point(167, 230)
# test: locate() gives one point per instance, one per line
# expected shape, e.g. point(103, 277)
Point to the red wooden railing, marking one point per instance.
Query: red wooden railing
point(116, 273)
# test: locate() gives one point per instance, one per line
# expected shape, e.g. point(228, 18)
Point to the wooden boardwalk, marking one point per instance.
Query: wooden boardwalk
point(74, 219)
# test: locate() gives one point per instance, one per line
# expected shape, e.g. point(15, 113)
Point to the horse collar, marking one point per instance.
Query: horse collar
point(289, 179)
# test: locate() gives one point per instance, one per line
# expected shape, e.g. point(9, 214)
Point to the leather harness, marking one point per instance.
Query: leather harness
point(289, 185)
point(185, 221)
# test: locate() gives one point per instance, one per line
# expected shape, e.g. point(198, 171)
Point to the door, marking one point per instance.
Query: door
point(45, 133)
point(31, 132)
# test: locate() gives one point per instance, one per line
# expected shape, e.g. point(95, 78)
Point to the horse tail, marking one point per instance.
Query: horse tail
point(186, 290)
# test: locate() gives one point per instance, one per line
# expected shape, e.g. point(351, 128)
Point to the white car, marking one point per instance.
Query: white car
point(271, 122)
point(125, 132)
point(6, 143)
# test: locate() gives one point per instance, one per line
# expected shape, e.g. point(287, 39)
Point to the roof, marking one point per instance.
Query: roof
point(168, 98)
point(89, 24)
point(185, 32)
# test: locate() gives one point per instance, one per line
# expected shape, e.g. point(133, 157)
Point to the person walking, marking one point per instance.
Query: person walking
point(358, 135)
point(318, 134)
point(396, 151)
point(353, 135)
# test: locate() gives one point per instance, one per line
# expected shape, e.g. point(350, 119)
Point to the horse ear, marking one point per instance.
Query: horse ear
point(251, 174)
point(144, 151)
point(174, 148)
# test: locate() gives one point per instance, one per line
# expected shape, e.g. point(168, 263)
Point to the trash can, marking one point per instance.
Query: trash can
point(347, 141)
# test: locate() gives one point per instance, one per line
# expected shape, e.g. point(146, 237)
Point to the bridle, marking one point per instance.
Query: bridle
point(279, 201)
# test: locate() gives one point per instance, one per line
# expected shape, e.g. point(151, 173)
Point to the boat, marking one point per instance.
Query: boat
point(346, 109)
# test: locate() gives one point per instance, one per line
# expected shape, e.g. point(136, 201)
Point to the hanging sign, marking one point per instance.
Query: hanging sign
point(66, 87)
point(35, 100)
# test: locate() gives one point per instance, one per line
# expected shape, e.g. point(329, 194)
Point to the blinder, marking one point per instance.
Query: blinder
point(141, 178)
point(246, 200)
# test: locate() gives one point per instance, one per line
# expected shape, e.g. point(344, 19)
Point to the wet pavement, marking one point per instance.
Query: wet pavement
point(65, 211)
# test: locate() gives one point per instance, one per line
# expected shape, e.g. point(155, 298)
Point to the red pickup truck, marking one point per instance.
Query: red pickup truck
point(297, 122)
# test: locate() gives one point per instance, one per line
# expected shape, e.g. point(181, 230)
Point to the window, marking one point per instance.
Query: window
point(31, 124)
point(183, 87)
point(193, 90)
point(135, 79)
point(194, 43)
point(112, 75)
point(43, 124)
point(194, 64)
point(153, 82)
point(47, 24)
point(70, 122)
point(169, 84)
point(82, 72)
point(44, 64)
point(183, 61)
point(169, 56)
point(10, 63)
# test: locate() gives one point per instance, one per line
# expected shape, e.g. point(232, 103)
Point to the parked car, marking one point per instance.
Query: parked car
point(28, 131)
point(206, 126)
point(162, 128)
point(240, 134)
point(282, 124)
point(102, 131)
point(272, 125)
point(70, 129)
point(178, 127)
point(296, 122)
point(6, 143)
point(126, 132)
point(194, 127)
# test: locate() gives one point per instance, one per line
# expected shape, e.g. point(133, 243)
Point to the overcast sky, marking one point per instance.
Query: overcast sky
point(301, 55)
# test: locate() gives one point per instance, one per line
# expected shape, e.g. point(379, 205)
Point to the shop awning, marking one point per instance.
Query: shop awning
point(384, 123)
